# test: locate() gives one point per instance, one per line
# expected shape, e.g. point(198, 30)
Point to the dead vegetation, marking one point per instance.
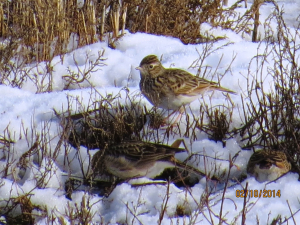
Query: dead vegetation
point(107, 122)
point(273, 121)
point(270, 119)
point(38, 30)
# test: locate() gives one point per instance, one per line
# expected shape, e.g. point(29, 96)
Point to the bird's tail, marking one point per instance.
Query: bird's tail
point(219, 88)
point(193, 170)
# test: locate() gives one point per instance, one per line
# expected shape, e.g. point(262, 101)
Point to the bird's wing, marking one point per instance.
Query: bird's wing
point(255, 158)
point(275, 157)
point(138, 151)
point(182, 82)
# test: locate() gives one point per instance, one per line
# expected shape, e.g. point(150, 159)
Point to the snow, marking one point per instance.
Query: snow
point(27, 115)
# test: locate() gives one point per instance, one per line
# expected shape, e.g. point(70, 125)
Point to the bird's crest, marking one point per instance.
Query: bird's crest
point(149, 59)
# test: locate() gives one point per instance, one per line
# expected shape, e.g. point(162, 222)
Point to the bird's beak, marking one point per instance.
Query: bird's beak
point(138, 68)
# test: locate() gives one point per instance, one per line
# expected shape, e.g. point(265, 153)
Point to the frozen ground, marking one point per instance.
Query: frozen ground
point(24, 115)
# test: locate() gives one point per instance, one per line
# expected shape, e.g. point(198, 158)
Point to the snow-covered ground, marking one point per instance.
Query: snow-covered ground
point(26, 115)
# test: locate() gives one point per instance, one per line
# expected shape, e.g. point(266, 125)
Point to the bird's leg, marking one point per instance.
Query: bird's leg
point(181, 110)
point(173, 124)
point(165, 120)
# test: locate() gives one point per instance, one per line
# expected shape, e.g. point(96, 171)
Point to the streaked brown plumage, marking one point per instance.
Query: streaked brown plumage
point(268, 165)
point(134, 159)
point(171, 88)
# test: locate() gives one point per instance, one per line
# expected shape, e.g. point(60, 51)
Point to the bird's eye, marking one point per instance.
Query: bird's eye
point(151, 66)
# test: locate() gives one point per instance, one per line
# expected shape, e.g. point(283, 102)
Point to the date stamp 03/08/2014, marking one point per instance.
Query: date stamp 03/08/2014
point(258, 193)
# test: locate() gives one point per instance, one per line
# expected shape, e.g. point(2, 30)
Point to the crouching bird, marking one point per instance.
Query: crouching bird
point(133, 159)
point(123, 161)
point(268, 165)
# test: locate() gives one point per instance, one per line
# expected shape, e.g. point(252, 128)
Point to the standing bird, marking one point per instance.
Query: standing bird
point(133, 159)
point(171, 88)
point(268, 165)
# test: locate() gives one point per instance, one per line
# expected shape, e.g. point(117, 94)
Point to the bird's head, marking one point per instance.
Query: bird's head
point(150, 66)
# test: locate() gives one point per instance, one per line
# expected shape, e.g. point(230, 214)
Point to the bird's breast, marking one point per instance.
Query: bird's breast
point(151, 91)
point(125, 169)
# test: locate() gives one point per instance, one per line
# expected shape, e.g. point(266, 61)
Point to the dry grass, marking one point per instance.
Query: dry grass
point(43, 30)
point(32, 32)
point(273, 122)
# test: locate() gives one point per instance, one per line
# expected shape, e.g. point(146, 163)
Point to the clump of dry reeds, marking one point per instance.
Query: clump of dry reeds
point(47, 29)
point(109, 123)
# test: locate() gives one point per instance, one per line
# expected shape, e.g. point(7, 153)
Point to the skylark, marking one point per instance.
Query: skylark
point(171, 88)
point(133, 159)
point(268, 165)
